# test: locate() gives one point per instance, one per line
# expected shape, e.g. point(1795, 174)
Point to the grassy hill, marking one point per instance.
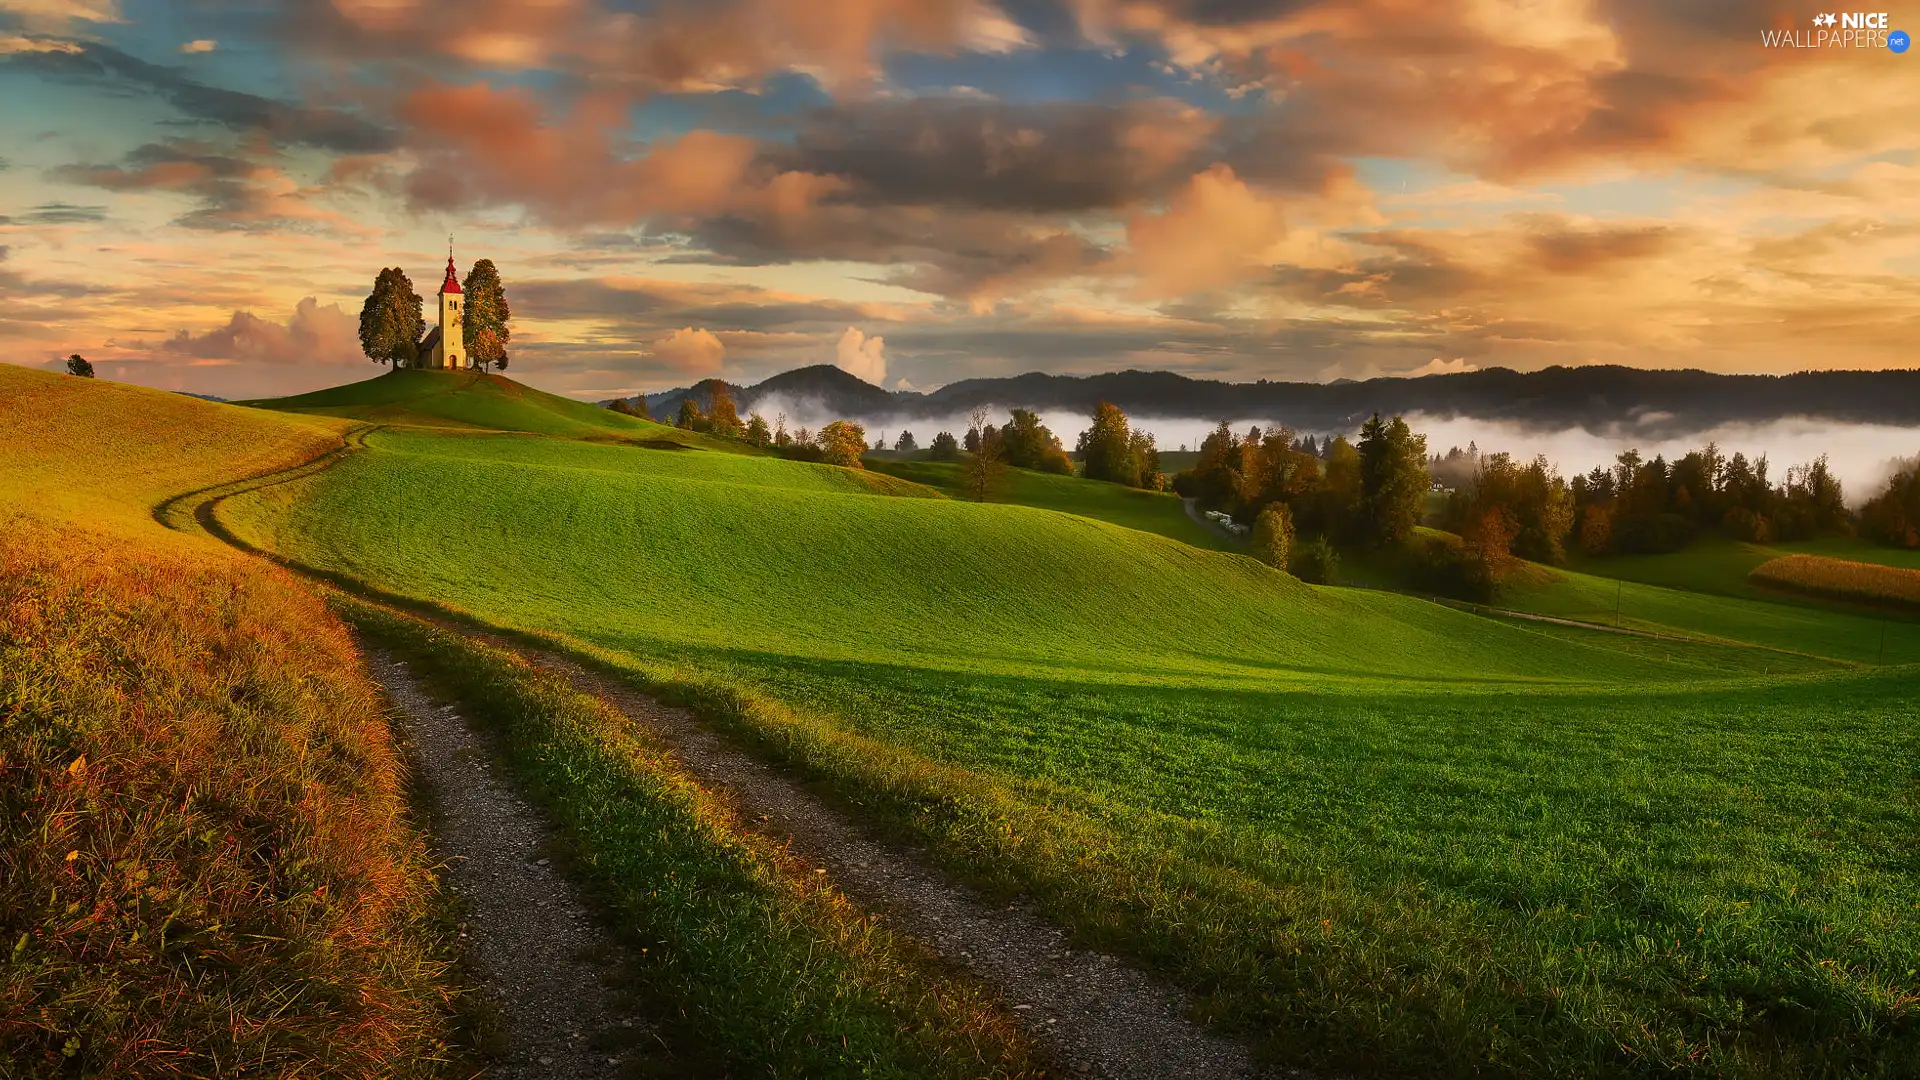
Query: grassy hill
point(101, 454)
point(476, 399)
point(1370, 828)
point(206, 855)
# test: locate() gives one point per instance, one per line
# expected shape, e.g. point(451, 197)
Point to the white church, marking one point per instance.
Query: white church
point(445, 346)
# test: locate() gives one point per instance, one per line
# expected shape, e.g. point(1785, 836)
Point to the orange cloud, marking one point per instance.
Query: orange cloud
point(695, 352)
point(487, 145)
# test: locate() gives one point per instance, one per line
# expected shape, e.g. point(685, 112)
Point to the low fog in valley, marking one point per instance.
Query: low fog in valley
point(1862, 455)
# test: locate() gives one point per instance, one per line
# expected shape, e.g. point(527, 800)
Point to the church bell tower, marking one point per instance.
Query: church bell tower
point(451, 352)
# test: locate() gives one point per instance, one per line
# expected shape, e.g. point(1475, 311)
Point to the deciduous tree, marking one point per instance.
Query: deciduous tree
point(78, 365)
point(757, 432)
point(723, 419)
point(1272, 541)
point(485, 315)
point(843, 443)
point(984, 468)
point(945, 447)
point(390, 320)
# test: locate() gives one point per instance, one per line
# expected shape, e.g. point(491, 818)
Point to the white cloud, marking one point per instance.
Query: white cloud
point(1437, 366)
point(696, 352)
point(862, 356)
point(200, 45)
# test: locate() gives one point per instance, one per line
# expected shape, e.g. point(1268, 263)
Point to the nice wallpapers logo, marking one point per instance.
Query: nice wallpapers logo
point(1845, 30)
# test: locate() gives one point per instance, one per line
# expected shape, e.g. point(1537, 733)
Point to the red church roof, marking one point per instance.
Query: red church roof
point(452, 284)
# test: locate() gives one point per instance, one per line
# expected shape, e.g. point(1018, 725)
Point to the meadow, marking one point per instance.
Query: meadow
point(1712, 605)
point(1377, 833)
point(1156, 512)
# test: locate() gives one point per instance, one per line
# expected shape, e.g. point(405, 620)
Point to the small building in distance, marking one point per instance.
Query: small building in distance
point(445, 346)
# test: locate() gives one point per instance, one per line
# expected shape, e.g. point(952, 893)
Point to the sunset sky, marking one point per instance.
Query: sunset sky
point(197, 195)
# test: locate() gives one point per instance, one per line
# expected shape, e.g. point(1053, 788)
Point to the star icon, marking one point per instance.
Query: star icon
point(1823, 20)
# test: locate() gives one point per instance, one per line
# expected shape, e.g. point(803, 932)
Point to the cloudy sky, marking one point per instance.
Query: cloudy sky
point(198, 194)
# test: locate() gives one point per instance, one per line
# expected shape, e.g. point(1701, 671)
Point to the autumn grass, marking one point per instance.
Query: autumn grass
point(206, 866)
point(1380, 835)
point(759, 966)
point(204, 842)
point(1842, 579)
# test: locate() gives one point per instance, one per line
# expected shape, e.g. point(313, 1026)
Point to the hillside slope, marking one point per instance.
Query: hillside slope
point(476, 399)
point(102, 454)
point(193, 758)
point(1372, 828)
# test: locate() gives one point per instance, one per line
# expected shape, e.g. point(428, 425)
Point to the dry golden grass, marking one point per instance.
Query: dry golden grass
point(203, 832)
point(1841, 579)
point(205, 862)
point(102, 454)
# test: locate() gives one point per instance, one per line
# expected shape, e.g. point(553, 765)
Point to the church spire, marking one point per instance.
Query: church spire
point(452, 284)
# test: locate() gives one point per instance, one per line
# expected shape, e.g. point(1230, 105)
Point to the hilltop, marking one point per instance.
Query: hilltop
point(476, 400)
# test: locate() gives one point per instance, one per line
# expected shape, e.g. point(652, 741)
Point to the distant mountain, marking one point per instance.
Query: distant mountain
point(1597, 398)
point(823, 387)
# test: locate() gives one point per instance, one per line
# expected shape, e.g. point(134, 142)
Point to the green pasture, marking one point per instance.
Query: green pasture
point(1687, 594)
point(1382, 834)
point(1149, 511)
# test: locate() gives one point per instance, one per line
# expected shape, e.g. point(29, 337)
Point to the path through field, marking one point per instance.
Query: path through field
point(543, 961)
point(1099, 1016)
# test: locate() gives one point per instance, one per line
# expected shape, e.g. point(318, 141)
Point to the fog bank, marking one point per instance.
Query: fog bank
point(1861, 455)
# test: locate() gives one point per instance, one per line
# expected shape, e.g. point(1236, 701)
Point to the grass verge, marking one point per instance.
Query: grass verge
point(767, 969)
point(206, 860)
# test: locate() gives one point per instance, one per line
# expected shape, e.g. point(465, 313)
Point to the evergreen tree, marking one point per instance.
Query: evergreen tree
point(1393, 480)
point(484, 315)
point(390, 320)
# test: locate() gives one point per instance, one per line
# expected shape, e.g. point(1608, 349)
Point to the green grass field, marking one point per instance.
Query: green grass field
point(475, 399)
point(1382, 834)
point(1149, 511)
point(1690, 594)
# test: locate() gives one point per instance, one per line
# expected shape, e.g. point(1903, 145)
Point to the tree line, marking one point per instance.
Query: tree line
point(710, 410)
point(392, 327)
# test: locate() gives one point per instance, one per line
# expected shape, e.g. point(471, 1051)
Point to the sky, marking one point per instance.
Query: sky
point(198, 194)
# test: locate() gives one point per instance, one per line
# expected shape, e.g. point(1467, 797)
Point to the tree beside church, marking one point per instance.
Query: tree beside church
point(470, 331)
